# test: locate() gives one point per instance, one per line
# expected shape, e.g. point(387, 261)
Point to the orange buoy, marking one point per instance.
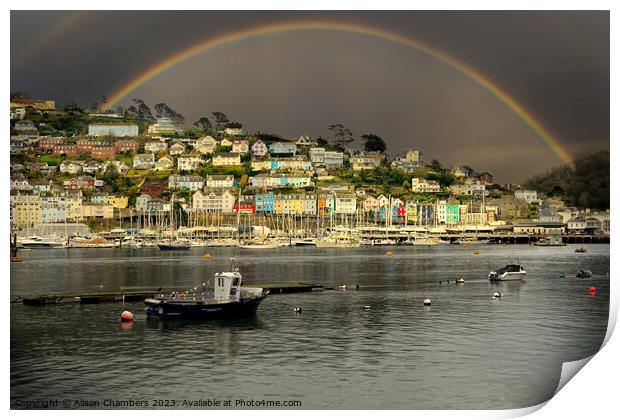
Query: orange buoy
point(389, 253)
point(126, 316)
point(592, 290)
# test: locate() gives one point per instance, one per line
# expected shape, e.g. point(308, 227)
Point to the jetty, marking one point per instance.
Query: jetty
point(139, 295)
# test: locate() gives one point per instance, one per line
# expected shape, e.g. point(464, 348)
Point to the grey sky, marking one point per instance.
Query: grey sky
point(556, 64)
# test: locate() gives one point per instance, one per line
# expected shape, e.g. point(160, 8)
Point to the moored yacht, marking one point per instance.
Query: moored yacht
point(509, 272)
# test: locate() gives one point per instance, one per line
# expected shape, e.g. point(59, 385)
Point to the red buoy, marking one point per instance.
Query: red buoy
point(126, 316)
point(592, 290)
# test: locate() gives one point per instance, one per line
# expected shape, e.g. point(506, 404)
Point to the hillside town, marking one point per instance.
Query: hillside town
point(126, 174)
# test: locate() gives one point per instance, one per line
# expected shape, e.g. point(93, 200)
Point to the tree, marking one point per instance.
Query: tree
point(164, 111)
point(321, 142)
point(373, 143)
point(435, 164)
point(341, 135)
point(220, 119)
point(204, 123)
point(18, 94)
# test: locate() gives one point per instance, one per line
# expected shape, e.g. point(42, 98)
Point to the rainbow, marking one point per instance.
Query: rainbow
point(265, 29)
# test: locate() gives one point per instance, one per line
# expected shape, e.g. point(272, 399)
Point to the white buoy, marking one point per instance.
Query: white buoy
point(427, 302)
point(460, 280)
point(367, 307)
point(498, 295)
point(343, 287)
point(297, 309)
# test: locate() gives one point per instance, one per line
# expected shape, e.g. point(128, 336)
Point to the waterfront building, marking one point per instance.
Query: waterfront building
point(259, 148)
point(220, 181)
point(346, 203)
point(288, 204)
point(118, 201)
point(164, 163)
point(142, 202)
point(309, 201)
point(155, 146)
point(53, 209)
point(226, 159)
point(144, 161)
point(245, 205)
point(177, 148)
point(113, 130)
point(213, 200)
point(425, 214)
point(25, 210)
point(283, 149)
point(190, 182)
point(265, 203)
point(421, 185)
point(370, 204)
point(98, 211)
point(367, 161)
point(326, 203)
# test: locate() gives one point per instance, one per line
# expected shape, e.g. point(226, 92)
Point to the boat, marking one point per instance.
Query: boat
point(36, 242)
point(305, 242)
point(259, 245)
point(509, 272)
point(338, 241)
point(221, 243)
point(227, 299)
point(584, 274)
point(581, 249)
point(550, 241)
point(384, 241)
point(174, 245)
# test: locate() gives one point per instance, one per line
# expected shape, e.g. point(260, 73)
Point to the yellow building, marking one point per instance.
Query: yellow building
point(119, 202)
point(260, 165)
point(226, 159)
point(25, 210)
point(101, 211)
point(288, 204)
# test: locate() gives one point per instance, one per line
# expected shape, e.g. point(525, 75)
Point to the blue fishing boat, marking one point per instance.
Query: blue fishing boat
point(227, 299)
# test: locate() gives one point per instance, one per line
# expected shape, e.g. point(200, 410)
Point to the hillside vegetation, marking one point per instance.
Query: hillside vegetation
point(586, 184)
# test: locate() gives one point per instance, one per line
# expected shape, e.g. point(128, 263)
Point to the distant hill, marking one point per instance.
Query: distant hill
point(585, 185)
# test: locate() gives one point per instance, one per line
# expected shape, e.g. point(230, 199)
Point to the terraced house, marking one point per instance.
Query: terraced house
point(189, 182)
point(226, 159)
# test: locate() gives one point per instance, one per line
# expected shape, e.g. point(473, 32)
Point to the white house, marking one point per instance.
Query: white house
point(321, 157)
point(220, 181)
point(421, 185)
point(164, 163)
point(71, 166)
point(144, 161)
point(226, 159)
point(529, 196)
point(177, 148)
point(189, 162)
point(259, 148)
point(366, 161)
point(306, 141)
point(346, 203)
point(213, 201)
point(155, 146)
point(113, 130)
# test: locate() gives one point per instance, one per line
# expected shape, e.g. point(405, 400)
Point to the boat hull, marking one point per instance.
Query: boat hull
point(507, 276)
point(173, 247)
point(162, 309)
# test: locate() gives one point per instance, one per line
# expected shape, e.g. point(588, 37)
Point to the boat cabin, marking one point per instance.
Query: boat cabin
point(227, 286)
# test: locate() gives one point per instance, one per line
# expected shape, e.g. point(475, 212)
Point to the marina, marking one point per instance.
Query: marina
point(353, 346)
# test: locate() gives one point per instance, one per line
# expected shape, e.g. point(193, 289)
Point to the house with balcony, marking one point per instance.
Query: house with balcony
point(214, 200)
point(155, 146)
point(71, 166)
point(206, 145)
point(324, 158)
point(177, 148)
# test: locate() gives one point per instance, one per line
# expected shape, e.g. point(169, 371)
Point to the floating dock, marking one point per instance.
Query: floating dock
point(138, 295)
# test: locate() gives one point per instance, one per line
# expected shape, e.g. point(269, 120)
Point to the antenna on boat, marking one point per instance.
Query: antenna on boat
point(233, 264)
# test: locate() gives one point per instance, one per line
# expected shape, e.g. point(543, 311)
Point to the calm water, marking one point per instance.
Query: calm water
point(466, 351)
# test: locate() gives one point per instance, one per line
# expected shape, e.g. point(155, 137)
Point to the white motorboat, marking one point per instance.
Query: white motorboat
point(35, 242)
point(509, 272)
point(338, 241)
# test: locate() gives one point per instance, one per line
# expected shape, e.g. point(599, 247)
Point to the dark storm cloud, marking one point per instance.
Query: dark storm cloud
point(556, 64)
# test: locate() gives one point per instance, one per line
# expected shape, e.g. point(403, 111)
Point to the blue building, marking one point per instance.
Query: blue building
point(264, 202)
